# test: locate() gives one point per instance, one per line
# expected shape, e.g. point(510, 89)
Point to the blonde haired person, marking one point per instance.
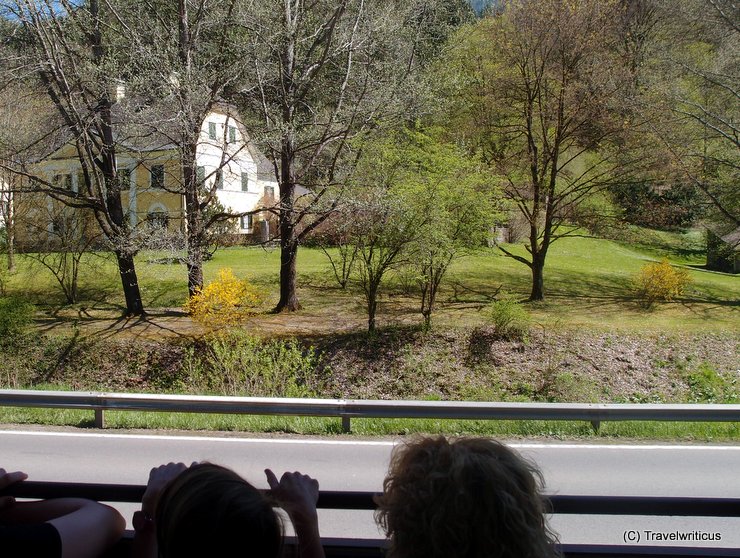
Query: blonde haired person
point(463, 498)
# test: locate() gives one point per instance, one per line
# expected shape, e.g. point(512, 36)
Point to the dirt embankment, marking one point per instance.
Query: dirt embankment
point(466, 363)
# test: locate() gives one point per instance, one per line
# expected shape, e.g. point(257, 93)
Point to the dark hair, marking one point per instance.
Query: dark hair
point(468, 497)
point(209, 510)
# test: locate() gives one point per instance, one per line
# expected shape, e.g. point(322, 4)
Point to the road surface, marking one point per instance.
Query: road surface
point(646, 469)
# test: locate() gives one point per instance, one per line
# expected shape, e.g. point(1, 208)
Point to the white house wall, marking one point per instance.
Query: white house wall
point(239, 158)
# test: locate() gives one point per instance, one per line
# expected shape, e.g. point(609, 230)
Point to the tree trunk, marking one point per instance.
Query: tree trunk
point(10, 229)
point(372, 308)
point(288, 253)
point(194, 218)
point(538, 282)
point(134, 306)
point(288, 240)
point(195, 267)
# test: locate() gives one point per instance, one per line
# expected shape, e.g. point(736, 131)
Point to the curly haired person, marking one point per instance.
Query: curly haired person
point(463, 498)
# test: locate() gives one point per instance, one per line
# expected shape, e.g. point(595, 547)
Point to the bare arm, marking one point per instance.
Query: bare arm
point(297, 495)
point(86, 528)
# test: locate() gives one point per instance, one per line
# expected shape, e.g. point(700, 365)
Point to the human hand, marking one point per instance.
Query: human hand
point(296, 493)
point(6, 479)
point(159, 478)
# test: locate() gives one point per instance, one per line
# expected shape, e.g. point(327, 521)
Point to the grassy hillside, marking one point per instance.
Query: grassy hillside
point(588, 283)
point(591, 340)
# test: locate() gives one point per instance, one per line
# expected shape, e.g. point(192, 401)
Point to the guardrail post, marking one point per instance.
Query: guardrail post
point(595, 424)
point(346, 426)
point(99, 418)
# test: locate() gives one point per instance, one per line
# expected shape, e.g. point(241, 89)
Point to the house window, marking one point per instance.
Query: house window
point(220, 179)
point(63, 181)
point(270, 192)
point(58, 225)
point(232, 134)
point(156, 178)
point(212, 130)
point(157, 220)
point(246, 222)
point(81, 181)
point(200, 175)
point(124, 178)
point(245, 182)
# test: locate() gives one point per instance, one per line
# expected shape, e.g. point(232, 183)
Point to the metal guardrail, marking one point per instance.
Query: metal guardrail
point(347, 409)
point(353, 548)
point(355, 500)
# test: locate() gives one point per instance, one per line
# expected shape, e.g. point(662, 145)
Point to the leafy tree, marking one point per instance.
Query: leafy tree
point(387, 216)
point(696, 80)
point(539, 93)
point(419, 202)
point(460, 205)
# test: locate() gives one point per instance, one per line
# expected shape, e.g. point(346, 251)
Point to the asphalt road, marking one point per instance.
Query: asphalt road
point(349, 464)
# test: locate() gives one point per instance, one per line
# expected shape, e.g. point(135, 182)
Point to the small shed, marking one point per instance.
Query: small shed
point(723, 250)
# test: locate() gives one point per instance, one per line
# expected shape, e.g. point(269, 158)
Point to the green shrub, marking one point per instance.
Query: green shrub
point(236, 363)
point(16, 315)
point(509, 318)
point(660, 282)
point(706, 385)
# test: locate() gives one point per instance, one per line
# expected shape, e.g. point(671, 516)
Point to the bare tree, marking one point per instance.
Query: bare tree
point(185, 61)
point(541, 102)
point(320, 73)
point(64, 48)
point(65, 236)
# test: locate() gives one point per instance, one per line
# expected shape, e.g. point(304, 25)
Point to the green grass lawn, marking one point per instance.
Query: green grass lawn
point(588, 288)
point(686, 432)
point(588, 283)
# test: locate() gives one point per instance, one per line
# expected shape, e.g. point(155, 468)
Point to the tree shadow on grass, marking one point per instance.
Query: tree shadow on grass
point(169, 322)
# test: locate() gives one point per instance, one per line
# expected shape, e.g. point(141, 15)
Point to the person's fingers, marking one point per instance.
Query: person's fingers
point(6, 479)
point(272, 479)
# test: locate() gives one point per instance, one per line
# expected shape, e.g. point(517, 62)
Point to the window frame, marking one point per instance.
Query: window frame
point(156, 177)
point(247, 220)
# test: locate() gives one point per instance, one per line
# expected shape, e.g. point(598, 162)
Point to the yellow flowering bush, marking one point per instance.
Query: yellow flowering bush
point(660, 281)
point(225, 301)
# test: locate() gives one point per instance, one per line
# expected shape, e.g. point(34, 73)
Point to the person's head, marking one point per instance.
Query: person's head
point(468, 497)
point(209, 510)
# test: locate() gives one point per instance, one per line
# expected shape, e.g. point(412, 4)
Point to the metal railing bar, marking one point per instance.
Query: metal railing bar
point(347, 409)
point(638, 551)
point(348, 500)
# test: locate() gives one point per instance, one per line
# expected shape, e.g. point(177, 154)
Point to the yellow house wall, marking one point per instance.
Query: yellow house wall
point(140, 199)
